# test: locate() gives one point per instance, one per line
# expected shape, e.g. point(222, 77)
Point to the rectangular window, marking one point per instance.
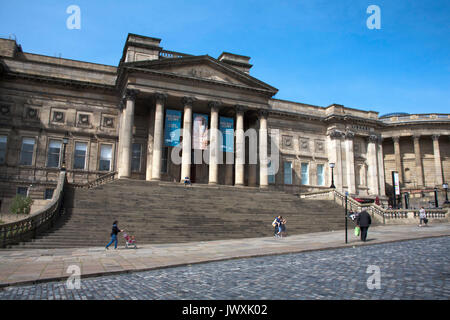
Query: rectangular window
point(165, 154)
point(305, 173)
point(105, 157)
point(48, 194)
point(287, 172)
point(270, 173)
point(23, 191)
point(54, 153)
point(3, 140)
point(320, 175)
point(80, 155)
point(26, 152)
point(136, 157)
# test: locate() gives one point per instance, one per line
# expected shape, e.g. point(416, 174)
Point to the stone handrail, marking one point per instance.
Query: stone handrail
point(110, 176)
point(372, 208)
point(28, 228)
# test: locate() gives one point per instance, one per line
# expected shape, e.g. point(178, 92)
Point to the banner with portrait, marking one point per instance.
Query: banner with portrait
point(200, 131)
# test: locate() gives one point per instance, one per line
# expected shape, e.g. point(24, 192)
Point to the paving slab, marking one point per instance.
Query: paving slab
point(19, 267)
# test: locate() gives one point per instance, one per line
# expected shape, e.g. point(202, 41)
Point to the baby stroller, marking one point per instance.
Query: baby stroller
point(129, 241)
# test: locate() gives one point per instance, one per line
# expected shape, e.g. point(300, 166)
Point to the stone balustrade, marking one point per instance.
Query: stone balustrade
point(374, 210)
point(43, 219)
point(110, 176)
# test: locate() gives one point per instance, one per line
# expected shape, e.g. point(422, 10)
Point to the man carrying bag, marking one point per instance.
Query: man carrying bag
point(363, 222)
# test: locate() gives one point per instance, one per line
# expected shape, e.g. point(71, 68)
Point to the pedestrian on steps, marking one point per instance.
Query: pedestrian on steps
point(114, 232)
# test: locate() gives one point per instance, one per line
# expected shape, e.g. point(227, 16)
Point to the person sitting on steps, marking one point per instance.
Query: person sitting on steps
point(187, 181)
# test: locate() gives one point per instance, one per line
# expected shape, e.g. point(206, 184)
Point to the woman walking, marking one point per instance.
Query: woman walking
point(114, 232)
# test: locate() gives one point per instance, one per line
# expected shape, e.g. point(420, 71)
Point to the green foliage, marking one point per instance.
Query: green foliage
point(21, 205)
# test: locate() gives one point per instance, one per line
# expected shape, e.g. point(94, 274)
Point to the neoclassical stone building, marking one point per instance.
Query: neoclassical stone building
point(132, 118)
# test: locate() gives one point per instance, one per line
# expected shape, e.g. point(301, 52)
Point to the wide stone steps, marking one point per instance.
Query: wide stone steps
point(171, 213)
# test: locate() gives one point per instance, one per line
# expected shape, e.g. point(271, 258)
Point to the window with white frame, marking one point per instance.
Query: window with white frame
point(26, 151)
point(287, 172)
point(105, 157)
point(3, 141)
point(54, 154)
point(80, 153)
point(136, 157)
point(320, 175)
point(305, 173)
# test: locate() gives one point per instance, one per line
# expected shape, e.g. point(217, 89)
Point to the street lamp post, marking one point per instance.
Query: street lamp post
point(346, 214)
point(436, 204)
point(65, 142)
point(445, 186)
point(332, 175)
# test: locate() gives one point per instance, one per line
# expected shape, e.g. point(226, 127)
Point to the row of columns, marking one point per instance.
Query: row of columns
point(418, 160)
point(374, 160)
point(156, 144)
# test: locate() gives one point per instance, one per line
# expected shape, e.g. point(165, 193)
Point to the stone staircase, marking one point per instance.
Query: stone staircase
point(160, 212)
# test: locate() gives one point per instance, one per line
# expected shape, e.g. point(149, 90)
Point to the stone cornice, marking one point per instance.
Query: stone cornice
point(64, 82)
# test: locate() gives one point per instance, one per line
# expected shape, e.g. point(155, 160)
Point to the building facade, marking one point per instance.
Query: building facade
point(164, 115)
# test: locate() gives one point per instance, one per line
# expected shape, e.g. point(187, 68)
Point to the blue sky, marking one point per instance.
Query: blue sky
point(316, 52)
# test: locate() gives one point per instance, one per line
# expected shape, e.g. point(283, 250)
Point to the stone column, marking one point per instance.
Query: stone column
point(119, 143)
point(187, 138)
point(240, 147)
point(151, 129)
point(398, 158)
point(252, 167)
point(418, 156)
point(350, 162)
point(437, 160)
point(263, 178)
point(381, 181)
point(335, 156)
point(127, 134)
point(214, 147)
point(372, 161)
point(158, 135)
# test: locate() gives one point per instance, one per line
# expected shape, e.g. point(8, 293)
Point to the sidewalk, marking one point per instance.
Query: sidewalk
point(39, 265)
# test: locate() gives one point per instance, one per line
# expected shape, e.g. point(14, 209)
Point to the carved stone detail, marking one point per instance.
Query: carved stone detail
point(130, 94)
point(160, 97)
point(58, 116)
point(335, 133)
point(187, 101)
point(5, 109)
point(32, 113)
point(83, 119)
point(263, 113)
point(108, 122)
point(349, 135)
point(287, 142)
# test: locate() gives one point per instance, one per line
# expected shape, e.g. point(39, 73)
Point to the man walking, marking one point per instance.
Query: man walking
point(364, 221)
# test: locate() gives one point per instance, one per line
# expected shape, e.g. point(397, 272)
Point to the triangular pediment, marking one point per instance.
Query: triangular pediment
point(202, 68)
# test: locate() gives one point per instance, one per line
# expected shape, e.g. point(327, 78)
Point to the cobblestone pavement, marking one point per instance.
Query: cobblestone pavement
point(417, 269)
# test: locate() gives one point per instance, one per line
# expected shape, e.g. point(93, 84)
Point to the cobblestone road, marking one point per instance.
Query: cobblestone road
point(417, 269)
